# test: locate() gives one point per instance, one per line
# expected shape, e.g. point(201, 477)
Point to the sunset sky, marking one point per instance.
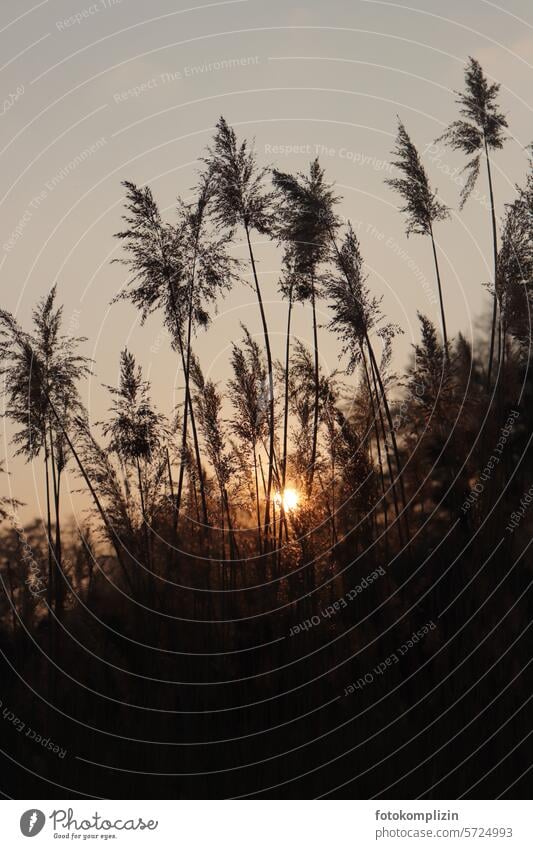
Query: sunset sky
point(98, 93)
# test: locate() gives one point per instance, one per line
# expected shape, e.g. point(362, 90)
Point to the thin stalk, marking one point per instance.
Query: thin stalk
point(331, 517)
point(286, 394)
point(333, 501)
point(194, 493)
point(495, 258)
point(12, 594)
point(171, 487)
point(233, 548)
point(223, 530)
point(187, 372)
point(258, 508)
point(189, 406)
point(441, 300)
point(188, 399)
point(333, 456)
point(115, 539)
point(316, 398)
point(262, 476)
point(50, 587)
point(270, 380)
point(60, 587)
point(376, 371)
point(143, 512)
point(378, 441)
point(389, 464)
point(58, 578)
point(285, 419)
point(391, 430)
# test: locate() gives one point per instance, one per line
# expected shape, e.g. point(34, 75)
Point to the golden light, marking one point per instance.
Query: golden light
point(289, 498)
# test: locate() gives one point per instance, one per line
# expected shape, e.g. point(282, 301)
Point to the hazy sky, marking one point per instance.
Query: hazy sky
point(95, 93)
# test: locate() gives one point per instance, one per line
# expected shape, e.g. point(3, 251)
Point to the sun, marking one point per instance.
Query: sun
point(289, 498)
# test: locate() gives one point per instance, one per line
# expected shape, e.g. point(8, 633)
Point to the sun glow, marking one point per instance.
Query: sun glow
point(289, 498)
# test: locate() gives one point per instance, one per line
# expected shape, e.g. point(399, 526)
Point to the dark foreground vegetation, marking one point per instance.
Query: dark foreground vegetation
point(299, 583)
